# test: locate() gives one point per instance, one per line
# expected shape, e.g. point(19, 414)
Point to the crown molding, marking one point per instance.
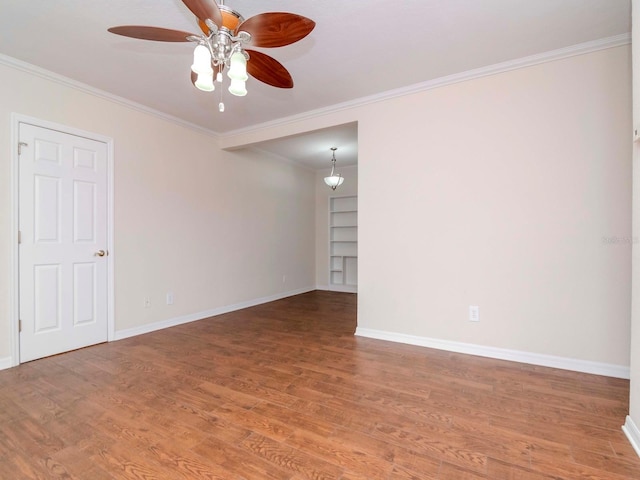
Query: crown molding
point(84, 88)
point(553, 55)
point(524, 62)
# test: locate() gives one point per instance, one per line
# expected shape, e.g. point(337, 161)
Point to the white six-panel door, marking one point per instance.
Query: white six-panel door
point(63, 247)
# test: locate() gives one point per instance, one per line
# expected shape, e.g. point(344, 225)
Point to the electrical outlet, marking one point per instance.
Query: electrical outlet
point(147, 302)
point(474, 313)
point(284, 278)
point(169, 298)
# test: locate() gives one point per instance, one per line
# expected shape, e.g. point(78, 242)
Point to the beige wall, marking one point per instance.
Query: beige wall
point(323, 193)
point(511, 192)
point(215, 228)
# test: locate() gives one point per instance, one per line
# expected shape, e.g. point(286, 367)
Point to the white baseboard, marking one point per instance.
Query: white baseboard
point(338, 288)
point(172, 322)
point(586, 366)
point(5, 363)
point(343, 288)
point(633, 434)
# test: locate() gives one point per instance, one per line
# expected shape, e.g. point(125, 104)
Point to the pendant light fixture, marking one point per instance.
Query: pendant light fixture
point(334, 180)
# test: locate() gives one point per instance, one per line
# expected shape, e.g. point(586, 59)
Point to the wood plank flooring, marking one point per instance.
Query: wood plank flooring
point(284, 391)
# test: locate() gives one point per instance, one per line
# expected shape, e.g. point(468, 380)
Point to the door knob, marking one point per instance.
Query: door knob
point(101, 253)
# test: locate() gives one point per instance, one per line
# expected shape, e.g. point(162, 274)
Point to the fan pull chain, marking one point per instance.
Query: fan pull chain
point(221, 104)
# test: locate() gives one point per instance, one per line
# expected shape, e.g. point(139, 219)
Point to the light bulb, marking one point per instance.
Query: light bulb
point(202, 61)
point(204, 82)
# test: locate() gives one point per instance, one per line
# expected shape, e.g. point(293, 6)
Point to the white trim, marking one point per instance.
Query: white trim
point(172, 322)
point(111, 227)
point(83, 87)
point(343, 288)
point(6, 362)
point(553, 55)
point(14, 292)
point(14, 312)
point(586, 366)
point(633, 434)
point(338, 288)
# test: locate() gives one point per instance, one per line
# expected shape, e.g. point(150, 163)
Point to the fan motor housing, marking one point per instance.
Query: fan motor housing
point(230, 18)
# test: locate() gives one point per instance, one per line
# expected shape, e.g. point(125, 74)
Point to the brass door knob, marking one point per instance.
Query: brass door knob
point(101, 253)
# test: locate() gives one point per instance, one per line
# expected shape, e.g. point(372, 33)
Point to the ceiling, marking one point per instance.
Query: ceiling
point(313, 149)
point(358, 49)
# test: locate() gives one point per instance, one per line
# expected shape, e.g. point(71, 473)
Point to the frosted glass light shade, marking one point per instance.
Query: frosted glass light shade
point(204, 82)
point(202, 61)
point(238, 88)
point(238, 67)
point(334, 181)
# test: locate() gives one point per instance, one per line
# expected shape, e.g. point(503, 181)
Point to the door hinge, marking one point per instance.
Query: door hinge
point(20, 145)
point(19, 325)
point(19, 237)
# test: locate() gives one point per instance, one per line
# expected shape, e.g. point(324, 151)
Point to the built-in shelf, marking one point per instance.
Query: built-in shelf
point(343, 243)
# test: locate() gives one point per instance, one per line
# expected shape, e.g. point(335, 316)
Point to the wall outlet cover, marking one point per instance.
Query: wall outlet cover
point(474, 313)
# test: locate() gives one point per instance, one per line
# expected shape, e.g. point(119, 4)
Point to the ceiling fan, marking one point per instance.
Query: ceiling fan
point(221, 46)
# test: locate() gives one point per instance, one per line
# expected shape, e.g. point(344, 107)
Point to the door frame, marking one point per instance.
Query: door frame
point(14, 310)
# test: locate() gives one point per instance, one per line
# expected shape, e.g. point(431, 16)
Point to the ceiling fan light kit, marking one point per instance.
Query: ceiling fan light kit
point(222, 45)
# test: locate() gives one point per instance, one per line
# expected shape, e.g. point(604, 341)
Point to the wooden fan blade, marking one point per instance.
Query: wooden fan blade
point(151, 33)
point(268, 70)
point(276, 29)
point(204, 9)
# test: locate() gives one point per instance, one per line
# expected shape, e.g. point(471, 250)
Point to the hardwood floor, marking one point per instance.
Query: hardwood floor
point(285, 391)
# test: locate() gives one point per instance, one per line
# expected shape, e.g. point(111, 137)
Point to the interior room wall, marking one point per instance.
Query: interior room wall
point(323, 194)
point(511, 192)
point(215, 228)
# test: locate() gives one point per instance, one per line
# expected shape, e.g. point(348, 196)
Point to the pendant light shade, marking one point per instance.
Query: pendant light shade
point(202, 61)
point(205, 82)
point(238, 67)
point(238, 88)
point(334, 181)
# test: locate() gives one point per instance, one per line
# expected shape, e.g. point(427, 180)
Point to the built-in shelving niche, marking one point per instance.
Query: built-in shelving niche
point(343, 243)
